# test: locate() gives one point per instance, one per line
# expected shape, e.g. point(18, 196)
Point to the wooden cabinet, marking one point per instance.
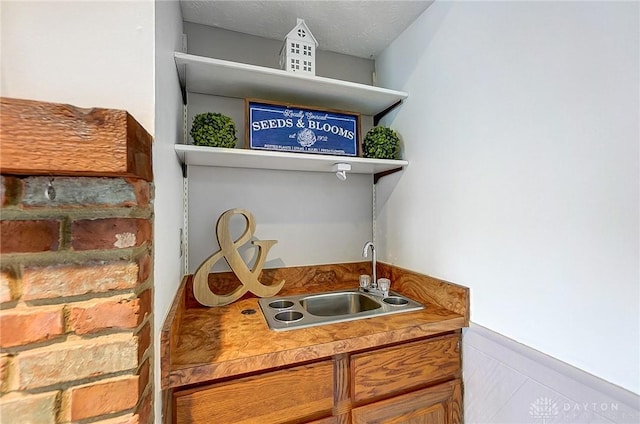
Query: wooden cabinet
point(276, 397)
point(413, 382)
point(328, 420)
point(393, 370)
point(440, 404)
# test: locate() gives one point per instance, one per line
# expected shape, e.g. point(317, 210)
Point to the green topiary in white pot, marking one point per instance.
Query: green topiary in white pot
point(381, 143)
point(213, 130)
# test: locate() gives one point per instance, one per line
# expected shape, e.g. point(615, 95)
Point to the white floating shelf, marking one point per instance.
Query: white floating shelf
point(206, 75)
point(263, 159)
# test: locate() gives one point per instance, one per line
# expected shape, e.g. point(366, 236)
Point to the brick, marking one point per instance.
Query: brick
point(73, 280)
point(7, 280)
point(101, 398)
point(144, 372)
point(141, 190)
point(19, 327)
point(146, 266)
point(100, 314)
point(75, 360)
point(29, 236)
point(18, 408)
point(3, 191)
point(5, 373)
point(145, 409)
point(80, 192)
point(144, 340)
point(145, 304)
point(109, 233)
point(8, 190)
point(124, 419)
point(8, 187)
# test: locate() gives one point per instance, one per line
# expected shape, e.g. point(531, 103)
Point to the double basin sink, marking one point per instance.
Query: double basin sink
point(301, 311)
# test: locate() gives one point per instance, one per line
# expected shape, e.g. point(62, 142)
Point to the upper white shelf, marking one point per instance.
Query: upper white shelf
point(206, 75)
point(263, 159)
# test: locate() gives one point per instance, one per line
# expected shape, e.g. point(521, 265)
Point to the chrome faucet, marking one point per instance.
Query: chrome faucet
point(369, 244)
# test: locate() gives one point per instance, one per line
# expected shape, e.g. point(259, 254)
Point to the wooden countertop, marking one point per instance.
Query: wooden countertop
point(201, 344)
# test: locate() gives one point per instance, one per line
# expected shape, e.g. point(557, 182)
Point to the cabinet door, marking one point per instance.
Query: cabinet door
point(441, 404)
point(399, 369)
point(298, 394)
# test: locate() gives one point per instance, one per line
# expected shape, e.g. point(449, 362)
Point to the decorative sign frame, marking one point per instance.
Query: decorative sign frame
point(290, 128)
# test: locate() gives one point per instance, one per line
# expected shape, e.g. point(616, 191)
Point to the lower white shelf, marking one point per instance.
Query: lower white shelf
point(263, 159)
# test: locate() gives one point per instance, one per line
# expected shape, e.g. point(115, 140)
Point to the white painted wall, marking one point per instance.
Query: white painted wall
point(101, 54)
point(316, 218)
point(204, 40)
point(167, 173)
point(84, 53)
point(522, 133)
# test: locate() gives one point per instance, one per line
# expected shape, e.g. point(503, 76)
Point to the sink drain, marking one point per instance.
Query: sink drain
point(395, 300)
point(281, 304)
point(288, 316)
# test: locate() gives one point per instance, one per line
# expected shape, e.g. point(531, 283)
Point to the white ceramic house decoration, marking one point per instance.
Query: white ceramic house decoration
point(298, 53)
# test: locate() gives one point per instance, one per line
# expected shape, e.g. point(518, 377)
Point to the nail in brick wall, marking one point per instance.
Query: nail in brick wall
point(76, 293)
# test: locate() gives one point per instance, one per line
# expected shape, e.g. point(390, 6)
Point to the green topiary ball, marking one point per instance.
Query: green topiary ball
point(381, 143)
point(214, 130)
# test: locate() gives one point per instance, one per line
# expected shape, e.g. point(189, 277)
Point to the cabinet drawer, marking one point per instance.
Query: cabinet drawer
point(275, 397)
point(395, 369)
point(441, 404)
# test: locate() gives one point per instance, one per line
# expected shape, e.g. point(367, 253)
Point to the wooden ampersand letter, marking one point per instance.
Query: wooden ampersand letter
point(229, 250)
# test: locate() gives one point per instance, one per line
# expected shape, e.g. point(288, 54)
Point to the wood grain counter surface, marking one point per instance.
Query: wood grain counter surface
point(200, 344)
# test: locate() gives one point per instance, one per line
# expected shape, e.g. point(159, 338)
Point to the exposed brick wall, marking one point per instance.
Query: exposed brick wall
point(76, 298)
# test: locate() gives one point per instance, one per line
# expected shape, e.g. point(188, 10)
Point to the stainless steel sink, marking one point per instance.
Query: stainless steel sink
point(301, 311)
point(339, 303)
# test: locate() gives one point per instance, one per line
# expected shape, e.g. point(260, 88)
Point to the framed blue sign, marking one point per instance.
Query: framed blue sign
point(290, 128)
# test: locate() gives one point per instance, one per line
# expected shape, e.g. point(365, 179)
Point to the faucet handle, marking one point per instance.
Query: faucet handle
point(384, 284)
point(365, 281)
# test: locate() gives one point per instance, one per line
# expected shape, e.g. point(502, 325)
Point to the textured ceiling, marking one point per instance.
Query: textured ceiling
point(357, 28)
